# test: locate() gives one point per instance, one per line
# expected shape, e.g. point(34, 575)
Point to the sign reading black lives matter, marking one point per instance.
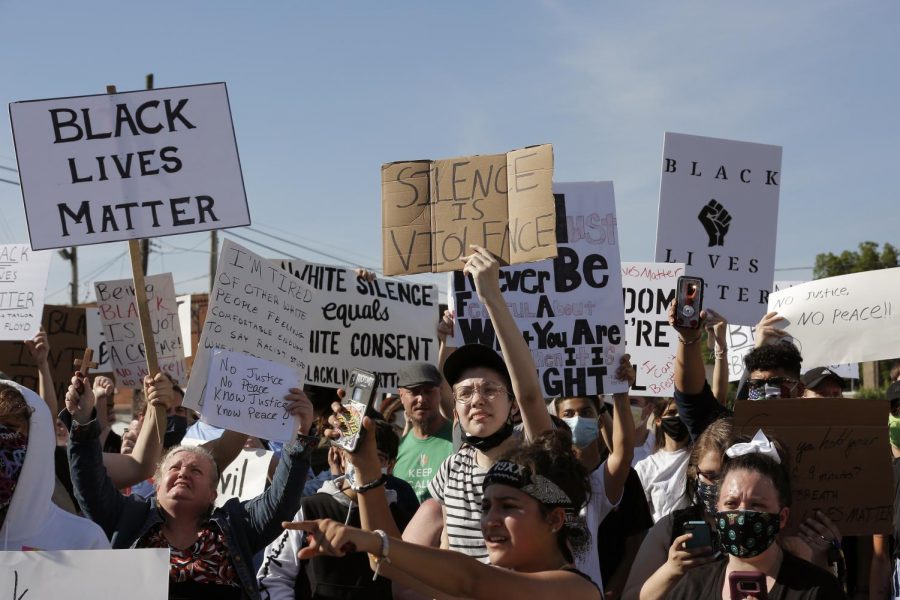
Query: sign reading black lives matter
point(718, 214)
point(126, 166)
point(377, 326)
point(570, 308)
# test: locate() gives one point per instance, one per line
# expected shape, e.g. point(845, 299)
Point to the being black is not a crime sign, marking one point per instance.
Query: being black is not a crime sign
point(125, 166)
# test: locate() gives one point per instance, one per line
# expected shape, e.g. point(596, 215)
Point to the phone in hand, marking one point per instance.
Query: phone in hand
point(701, 532)
point(688, 302)
point(359, 397)
point(748, 584)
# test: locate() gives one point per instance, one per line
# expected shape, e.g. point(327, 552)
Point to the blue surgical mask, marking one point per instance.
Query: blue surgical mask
point(584, 430)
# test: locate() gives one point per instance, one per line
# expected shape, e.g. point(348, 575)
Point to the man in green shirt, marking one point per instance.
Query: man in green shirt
point(429, 437)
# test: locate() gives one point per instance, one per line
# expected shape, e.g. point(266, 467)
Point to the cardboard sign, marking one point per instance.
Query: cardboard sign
point(256, 308)
point(840, 460)
point(718, 212)
point(126, 166)
point(648, 288)
point(376, 326)
point(851, 318)
point(66, 329)
point(89, 573)
point(122, 329)
point(432, 210)
point(570, 308)
point(246, 394)
point(23, 282)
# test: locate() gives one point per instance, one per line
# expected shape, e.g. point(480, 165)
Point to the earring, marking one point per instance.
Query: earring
point(555, 529)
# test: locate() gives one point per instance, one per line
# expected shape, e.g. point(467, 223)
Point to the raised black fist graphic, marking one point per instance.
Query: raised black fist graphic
point(715, 220)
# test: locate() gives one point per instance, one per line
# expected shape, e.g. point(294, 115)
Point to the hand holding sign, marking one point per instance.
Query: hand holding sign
point(769, 329)
point(158, 390)
point(485, 271)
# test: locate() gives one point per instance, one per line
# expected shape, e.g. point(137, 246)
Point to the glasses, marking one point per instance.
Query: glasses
point(785, 384)
point(466, 393)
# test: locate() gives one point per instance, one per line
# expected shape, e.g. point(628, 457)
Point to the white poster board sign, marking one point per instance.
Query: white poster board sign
point(89, 573)
point(648, 288)
point(851, 318)
point(117, 304)
point(256, 308)
point(184, 318)
point(378, 326)
point(569, 308)
point(126, 166)
point(23, 282)
point(246, 394)
point(96, 340)
point(718, 214)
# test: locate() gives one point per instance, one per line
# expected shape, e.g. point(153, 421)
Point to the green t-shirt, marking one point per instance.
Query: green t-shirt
point(418, 460)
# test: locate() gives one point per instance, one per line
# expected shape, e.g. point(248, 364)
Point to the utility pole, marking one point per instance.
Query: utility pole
point(213, 257)
point(72, 255)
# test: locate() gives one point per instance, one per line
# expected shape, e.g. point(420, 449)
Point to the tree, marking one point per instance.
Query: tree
point(867, 258)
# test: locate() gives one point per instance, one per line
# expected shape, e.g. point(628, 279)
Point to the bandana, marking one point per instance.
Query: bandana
point(13, 446)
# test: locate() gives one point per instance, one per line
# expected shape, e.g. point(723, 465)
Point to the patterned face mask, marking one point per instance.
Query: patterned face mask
point(746, 533)
point(708, 494)
point(13, 446)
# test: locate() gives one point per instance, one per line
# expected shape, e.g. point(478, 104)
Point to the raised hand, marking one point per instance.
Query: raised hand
point(300, 406)
point(767, 330)
point(485, 271)
point(80, 398)
point(445, 326)
point(39, 347)
point(158, 390)
point(716, 221)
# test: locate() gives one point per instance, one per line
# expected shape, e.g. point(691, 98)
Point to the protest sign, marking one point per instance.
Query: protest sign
point(433, 210)
point(256, 308)
point(648, 288)
point(117, 303)
point(570, 308)
point(246, 394)
point(126, 166)
point(88, 573)
point(718, 212)
point(378, 326)
point(850, 318)
point(23, 282)
point(184, 319)
point(839, 458)
point(66, 328)
point(96, 340)
point(245, 478)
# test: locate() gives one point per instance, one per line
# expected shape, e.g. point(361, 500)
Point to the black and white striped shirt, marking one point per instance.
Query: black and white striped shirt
point(458, 487)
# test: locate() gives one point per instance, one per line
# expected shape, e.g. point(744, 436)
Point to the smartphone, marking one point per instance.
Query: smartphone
point(702, 536)
point(688, 302)
point(359, 396)
point(748, 584)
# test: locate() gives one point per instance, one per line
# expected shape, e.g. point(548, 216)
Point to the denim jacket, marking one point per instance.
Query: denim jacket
point(248, 526)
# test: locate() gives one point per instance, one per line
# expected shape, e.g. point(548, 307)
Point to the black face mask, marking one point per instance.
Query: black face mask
point(176, 427)
point(492, 441)
point(674, 428)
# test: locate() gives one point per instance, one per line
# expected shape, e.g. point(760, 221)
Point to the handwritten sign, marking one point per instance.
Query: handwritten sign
point(246, 394)
point(245, 478)
point(93, 573)
point(432, 210)
point(377, 326)
point(839, 457)
point(23, 282)
point(569, 309)
point(184, 319)
point(850, 318)
point(256, 308)
point(648, 288)
point(117, 305)
point(718, 212)
point(126, 166)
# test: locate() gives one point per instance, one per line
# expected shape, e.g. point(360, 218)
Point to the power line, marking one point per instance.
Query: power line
point(8, 169)
point(307, 248)
point(10, 181)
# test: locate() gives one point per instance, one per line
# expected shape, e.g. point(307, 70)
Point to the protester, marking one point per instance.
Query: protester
point(717, 340)
point(642, 408)
point(884, 572)
point(662, 474)
point(822, 382)
point(105, 392)
point(211, 548)
point(753, 505)
point(29, 520)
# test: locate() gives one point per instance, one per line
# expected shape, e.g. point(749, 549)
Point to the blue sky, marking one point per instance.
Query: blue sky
point(323, 93)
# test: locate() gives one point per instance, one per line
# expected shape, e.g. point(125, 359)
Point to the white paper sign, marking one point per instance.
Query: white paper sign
point(245, 478)
point(246, 394)
point(570, 308)
point(127, 166)
point(117, 304)
point(23, 282)
point(88, 573)
point(851, 318)
point(256, 308)
point(378, 326)
point(184, 318)
point(96, 340)
point(648, 288)
point(718, 214)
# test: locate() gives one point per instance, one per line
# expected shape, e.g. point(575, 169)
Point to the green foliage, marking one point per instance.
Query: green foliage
point(868, 258)
point(868, 393)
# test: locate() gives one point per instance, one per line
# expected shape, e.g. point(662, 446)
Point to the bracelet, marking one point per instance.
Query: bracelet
point(370, 486)
point(693, 341)
point(721, 354)
point(385, 550)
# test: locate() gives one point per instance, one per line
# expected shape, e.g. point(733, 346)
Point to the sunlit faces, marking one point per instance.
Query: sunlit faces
point(567, 408)
point(479, 415)
point(791, 386)
point(516, 533)
point(750, 490)
point(187, 481)
point(421, 402)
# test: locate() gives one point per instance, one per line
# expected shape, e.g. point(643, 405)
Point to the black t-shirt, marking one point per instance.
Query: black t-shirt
point(631, 517)
point(797, 580)
point(896, 508)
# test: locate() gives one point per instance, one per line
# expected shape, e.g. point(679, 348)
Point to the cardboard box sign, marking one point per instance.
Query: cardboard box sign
point(839, 457)
point(433, 210)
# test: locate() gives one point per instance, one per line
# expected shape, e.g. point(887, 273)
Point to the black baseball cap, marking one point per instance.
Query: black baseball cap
point(418, 373)
point(814, 377)
point(473, 355)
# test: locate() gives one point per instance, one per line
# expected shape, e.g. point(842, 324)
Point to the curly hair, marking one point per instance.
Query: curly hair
point(781, 355)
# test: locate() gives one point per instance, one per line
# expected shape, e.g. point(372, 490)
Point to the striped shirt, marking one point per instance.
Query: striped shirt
point(458, 487)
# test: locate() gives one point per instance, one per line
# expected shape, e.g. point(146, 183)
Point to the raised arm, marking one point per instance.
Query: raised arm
point(618, 464)
point(39, 346)
point(445, 330)
point(485, 271)
point(716, 335)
